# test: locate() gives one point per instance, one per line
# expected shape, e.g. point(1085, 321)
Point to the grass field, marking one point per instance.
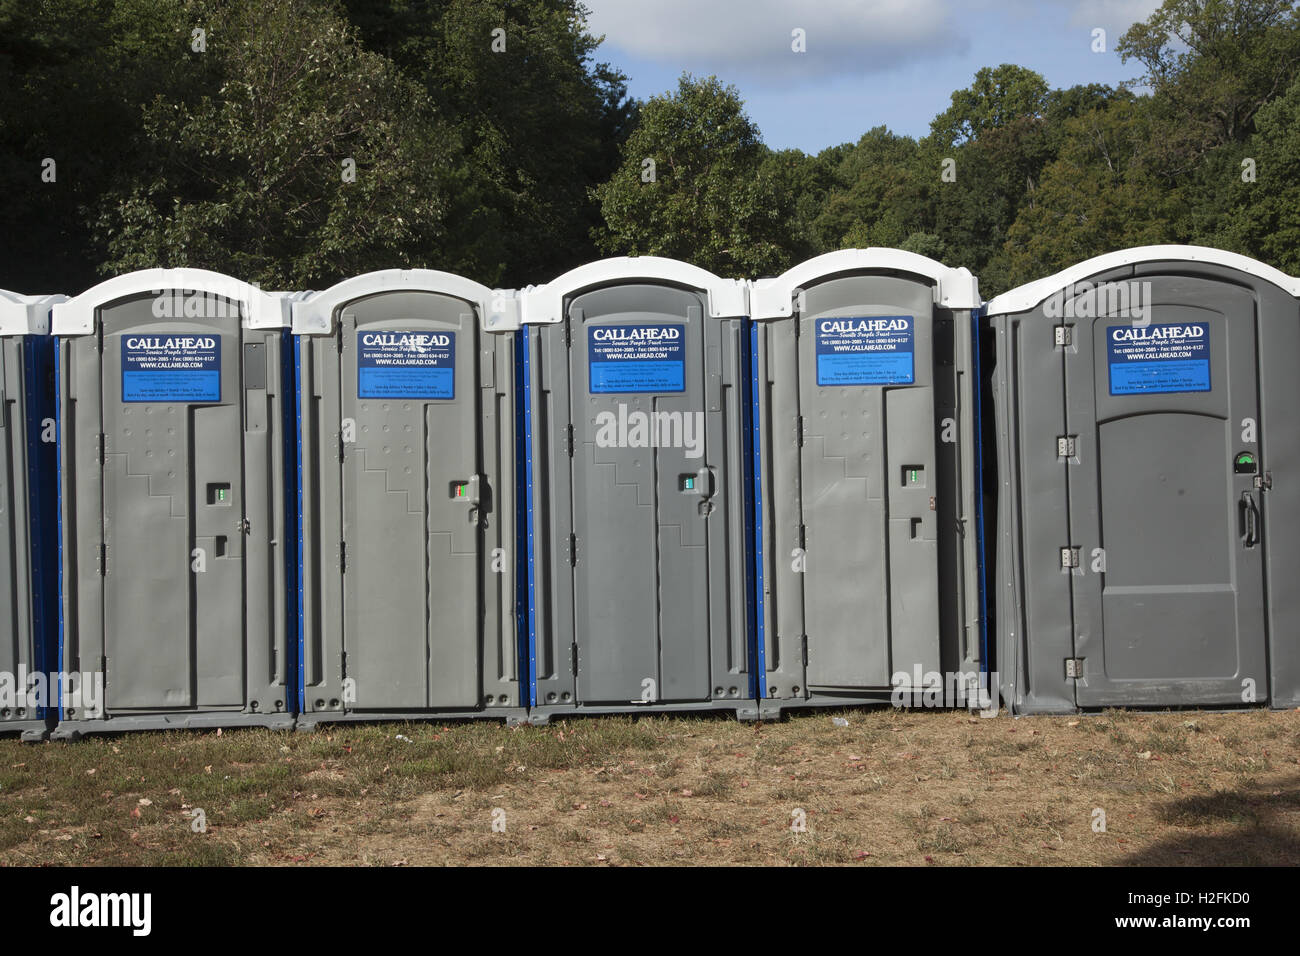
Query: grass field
point(922, 788)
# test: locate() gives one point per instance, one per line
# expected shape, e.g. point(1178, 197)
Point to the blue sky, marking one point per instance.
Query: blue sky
point(868, 62)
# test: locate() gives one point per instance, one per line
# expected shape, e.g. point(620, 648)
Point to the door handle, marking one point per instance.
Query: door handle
point(1249, 520)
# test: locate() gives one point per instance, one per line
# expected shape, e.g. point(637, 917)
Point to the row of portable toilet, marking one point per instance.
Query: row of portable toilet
point(643, 487)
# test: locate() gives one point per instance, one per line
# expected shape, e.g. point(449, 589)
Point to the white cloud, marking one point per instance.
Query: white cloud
point(1115, 16)
point(751, 39)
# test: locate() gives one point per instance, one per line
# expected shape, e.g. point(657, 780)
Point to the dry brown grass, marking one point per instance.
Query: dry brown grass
point(918, 788)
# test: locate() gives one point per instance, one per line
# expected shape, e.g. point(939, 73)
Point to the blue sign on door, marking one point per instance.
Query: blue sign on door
point(418, 365)
point(867, 350)
point(1158, 359)
point(636, 358)
point(171, 368)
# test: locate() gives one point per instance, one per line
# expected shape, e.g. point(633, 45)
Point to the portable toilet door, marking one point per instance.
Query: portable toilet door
point(173, 406)
point(410, 565)
point(28, 548)
point(637, 516)
point(1145, 406)
point(867, 489)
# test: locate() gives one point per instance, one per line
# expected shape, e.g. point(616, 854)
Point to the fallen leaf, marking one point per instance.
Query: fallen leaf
point(146, 802)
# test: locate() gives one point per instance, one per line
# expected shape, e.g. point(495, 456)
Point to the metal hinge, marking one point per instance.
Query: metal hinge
point(800, 430)
point(568, 440)
point(1264, 481)
point(803, 537)
point(1069, 558)
point(573, 550)
point(1067, 447)
point(101, 449)
point(343, 557)
point(103, 559)
point(1073, 668)
point(573, 657)
point(804, 639)
point(1064, 334)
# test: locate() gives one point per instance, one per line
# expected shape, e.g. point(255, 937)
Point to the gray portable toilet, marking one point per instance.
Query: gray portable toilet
point(1145, 407)
point(174, 409)
point(410, 582)
point(636, 467)
point(29, 546)
point(867, 482)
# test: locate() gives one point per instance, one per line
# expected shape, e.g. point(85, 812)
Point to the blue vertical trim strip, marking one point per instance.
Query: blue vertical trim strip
point(528, 496)
point(58, 484)
point(521, 522)
point(747, 453)
point(292, 514)
point(298, 510)
point(981, 556)
point(35, 394)
point(756, 443)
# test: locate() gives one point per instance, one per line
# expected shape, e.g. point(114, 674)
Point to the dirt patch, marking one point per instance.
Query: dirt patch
point(922, 788)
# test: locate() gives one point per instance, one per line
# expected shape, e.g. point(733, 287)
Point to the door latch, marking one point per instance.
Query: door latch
point(1249, 520)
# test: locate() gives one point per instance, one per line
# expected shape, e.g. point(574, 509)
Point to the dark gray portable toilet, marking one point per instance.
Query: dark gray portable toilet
point(866, 487)
point(175, 530)
point(28, 548)
point(410, 595)
point(1147, 463)
point(637, 514)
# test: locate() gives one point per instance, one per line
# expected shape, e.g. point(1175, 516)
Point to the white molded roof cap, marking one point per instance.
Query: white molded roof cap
point(313, 314)
point(1032, 294)
point(261, 310)
point(773, 298)
point(544, 304)
point(26, 314)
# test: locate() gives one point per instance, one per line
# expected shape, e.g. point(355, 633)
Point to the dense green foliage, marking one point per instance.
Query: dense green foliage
point(296, 142)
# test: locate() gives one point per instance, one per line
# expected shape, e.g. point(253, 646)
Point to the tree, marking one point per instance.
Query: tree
point(1262, 218)
point(538, 119)
point(1211, 66)
point(879, 199)
point(998, 96)
point(1096, 197)
point(693, 185)
point(74, 75)
point(307, 159)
